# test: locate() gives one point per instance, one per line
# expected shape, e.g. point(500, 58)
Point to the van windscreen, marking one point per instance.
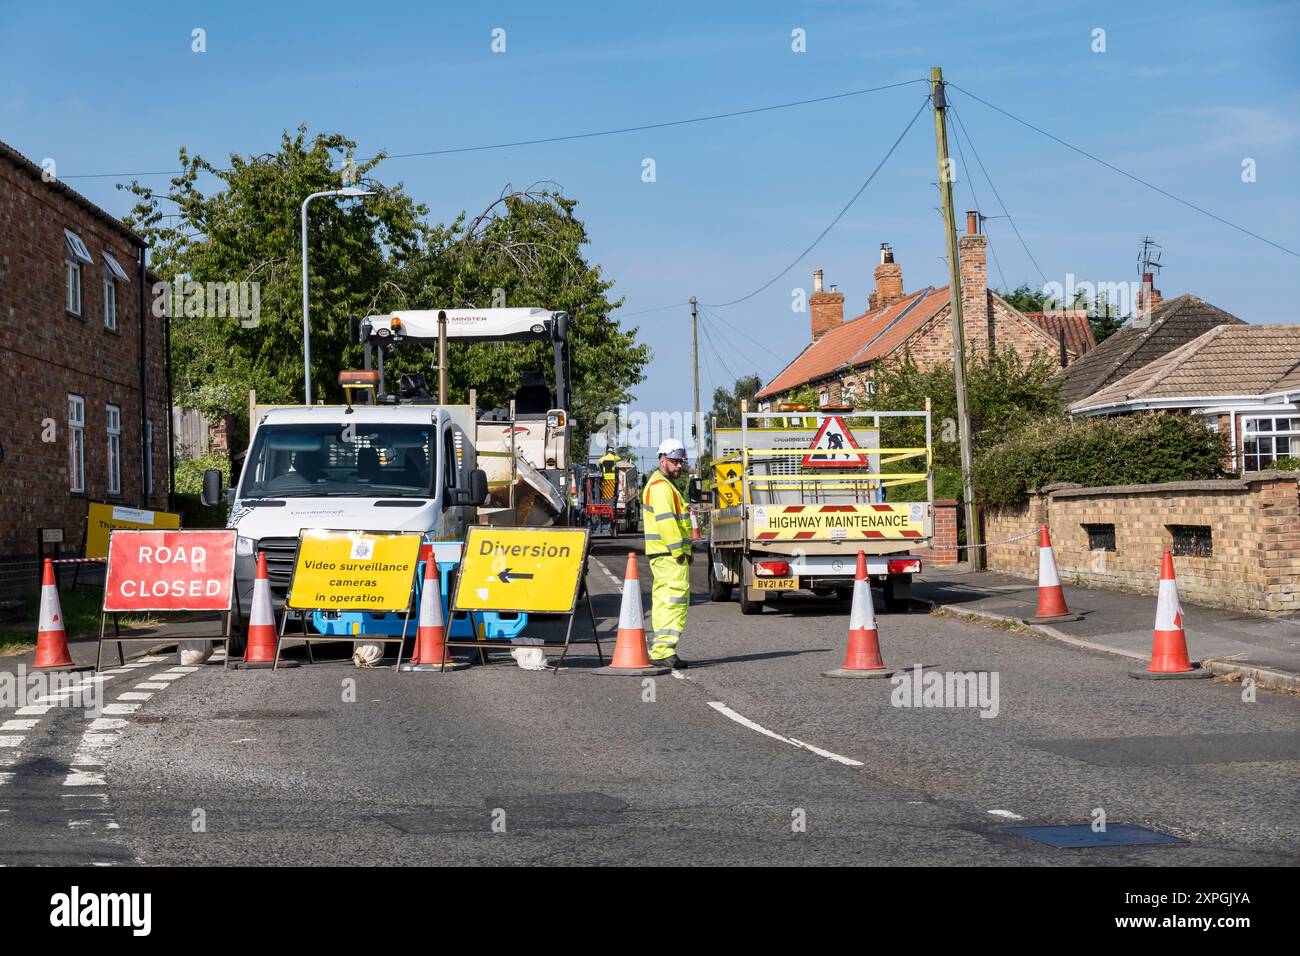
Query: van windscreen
point(360, 460)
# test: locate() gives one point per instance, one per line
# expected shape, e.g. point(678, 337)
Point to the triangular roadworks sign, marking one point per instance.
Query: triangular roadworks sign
point(833, 436)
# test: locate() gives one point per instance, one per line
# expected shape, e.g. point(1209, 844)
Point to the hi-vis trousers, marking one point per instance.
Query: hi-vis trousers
point(670, 597)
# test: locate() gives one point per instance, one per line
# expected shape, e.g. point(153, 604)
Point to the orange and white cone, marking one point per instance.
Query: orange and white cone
point(431, 654)
point(260, 644)
point(1169, 649)
point(862, 657)
point(695, 526)
point(1051, 599)
point(51, 636)
point(630, 655)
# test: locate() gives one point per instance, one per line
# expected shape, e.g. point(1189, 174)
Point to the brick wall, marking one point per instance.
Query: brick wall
point(1254, 526)
point(931, 344)
point(47, 353)
point(943, 547)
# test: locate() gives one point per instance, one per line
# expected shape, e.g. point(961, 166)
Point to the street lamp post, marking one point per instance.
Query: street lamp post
point(348, 191)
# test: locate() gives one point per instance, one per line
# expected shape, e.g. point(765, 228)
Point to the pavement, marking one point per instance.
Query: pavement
point(749, 757)
point(1228, 643)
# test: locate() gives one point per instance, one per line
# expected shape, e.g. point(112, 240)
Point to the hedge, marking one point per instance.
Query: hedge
point(1128, 450)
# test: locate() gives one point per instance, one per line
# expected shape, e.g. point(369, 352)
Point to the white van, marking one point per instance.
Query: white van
point(363, 468)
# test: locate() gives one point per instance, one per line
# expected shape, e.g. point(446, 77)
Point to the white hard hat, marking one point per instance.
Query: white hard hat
point(673, 448)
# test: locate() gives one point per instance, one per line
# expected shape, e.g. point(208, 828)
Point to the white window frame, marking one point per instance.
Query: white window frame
point(113, 431)
point(110, 301)
point(824, 396)
point(76, 443)
point(115, 267)
point(72, 286)
point(1268, 439)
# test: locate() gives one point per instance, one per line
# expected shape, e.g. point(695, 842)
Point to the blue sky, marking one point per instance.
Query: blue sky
point(1177, 98)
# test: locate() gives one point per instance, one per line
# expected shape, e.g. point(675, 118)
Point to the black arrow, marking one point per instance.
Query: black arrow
point(506, 577)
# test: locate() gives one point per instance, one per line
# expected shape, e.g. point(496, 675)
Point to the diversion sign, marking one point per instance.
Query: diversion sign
point(839, 522)
point(521, 569)
point(354, 571)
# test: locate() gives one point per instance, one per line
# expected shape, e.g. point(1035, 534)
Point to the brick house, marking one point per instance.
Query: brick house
point(843, 357)
point(80, 346)
point(1243, 379)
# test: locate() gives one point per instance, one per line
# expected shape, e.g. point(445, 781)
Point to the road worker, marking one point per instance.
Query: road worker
point(667, 526)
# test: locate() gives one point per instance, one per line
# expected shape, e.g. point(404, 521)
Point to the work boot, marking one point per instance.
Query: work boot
point(673, 661)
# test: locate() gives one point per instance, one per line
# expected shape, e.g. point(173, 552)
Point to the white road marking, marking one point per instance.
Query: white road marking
point(34, 709)
point(167, 677)
point(1006, 813)
point(117, 670)
point(5, 778)
point(19, 724)
point(744, 721)
point(133, 695)
point(11, 741)
point(678, 675)
point(89, 739)
point(151, 685)
point(86, 798)
point(181, 670)
point(151, 659)
point(121, 708)
point(77, 778)
point(10, 757)
point(107, 723)
point(85, 760)
point(610, 574)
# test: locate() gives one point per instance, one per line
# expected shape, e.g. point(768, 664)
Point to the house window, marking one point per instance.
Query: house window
point(74, 254)
point(1101, 537)
point(871, 388)
point(848, 392)
point(114, 449)
point(1268, 439)
point(824, 397)
point(76, 443)
point(110, 301)
point(1192, 540)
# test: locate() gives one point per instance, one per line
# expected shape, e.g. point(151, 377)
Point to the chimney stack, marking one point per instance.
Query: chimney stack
point(889, 281)
point(1148, 296)
point(973, 261)
point(826, 308)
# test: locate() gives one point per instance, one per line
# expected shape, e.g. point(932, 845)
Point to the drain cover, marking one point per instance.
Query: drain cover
point(1082, 835)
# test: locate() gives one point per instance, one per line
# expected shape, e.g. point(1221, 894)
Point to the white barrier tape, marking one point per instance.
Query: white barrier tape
point(990, 544)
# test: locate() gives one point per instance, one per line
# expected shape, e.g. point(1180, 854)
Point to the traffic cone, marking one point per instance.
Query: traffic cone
point(260, 644)
point(1051, 599)
point(430, 637)
point(1169, 649)
point(862, 658)
point(51, 636)
point(695, 526)
point(630, 656)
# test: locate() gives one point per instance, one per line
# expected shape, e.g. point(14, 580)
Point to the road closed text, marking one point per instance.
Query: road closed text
point(170, 571)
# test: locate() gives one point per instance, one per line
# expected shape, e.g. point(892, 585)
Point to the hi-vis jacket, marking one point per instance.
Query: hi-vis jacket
point(664, 516)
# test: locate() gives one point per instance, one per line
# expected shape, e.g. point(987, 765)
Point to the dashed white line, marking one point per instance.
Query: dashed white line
point(79, 778)
point(759, 728)
point(121, 708)
point(181, 670)
point(151, 685)
point(11, 741)
point(134, 695)
point(35, 709)
point(107, 723)
point(19, 724)
point(1006, 813)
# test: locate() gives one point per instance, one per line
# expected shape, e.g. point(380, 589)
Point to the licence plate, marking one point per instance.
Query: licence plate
point(776, 584)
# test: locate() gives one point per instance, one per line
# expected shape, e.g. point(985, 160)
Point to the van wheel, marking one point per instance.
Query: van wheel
point(718, 591)
point(748, 606)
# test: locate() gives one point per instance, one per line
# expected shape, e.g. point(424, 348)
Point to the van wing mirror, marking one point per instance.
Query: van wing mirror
point(695, 491)
point(212, 487)
point(477, 495)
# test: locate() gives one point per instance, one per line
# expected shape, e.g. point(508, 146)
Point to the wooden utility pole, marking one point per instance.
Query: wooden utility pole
point(940, 102)
point(695, 362)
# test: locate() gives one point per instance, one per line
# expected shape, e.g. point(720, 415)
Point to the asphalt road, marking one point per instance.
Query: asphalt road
point(500, 765)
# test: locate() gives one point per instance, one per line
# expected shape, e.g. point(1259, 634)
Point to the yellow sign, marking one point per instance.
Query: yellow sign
point(103, 519)
point(839, 522)
point(353, 571)
point(726, 477)
point(521, 569)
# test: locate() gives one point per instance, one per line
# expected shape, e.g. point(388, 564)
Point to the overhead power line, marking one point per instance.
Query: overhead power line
point(970, 184)
point(1128, 175)
point(840, 215)
point(569, 136)
point(962, 126)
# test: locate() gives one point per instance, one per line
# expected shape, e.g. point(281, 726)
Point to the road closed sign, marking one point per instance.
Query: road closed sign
point(170, 571)
point(521, 569)
point(354, 571)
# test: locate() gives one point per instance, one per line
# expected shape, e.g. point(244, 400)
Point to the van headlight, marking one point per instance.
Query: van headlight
point(244, 547)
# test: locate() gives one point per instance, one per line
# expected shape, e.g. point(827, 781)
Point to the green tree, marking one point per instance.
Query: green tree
point(1026, 299)
point(1004, 394)
point(368, 256)
point(247, 230)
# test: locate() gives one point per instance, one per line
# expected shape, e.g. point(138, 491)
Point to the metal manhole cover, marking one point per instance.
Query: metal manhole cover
point(1082, 835)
